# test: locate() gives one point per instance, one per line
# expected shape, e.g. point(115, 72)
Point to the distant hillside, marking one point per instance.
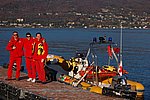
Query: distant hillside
point(25, 8)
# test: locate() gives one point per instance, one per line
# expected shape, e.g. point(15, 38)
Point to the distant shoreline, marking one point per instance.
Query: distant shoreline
point(75, 28)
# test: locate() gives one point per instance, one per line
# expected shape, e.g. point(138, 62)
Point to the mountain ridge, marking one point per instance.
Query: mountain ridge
point(77, 13)
point(23, 7)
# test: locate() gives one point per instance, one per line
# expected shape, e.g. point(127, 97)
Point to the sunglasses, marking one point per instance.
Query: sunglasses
point(28, 36)
point(15, 35)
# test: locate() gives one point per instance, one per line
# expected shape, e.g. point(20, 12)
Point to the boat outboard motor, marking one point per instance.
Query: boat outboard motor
point(123, 81)
point(120, 83)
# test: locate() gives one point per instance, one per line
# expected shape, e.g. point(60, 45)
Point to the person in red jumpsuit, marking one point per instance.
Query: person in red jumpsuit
point(15, 46)
point(39, 57)
point(28, 53)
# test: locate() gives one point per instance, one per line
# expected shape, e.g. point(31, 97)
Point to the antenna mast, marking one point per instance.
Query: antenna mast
point(121, 45)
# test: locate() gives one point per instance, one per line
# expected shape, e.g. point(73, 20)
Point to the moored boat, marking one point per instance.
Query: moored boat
point(106, 79)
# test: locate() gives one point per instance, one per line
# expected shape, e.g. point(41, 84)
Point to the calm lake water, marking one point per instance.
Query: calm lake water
point(65, 42)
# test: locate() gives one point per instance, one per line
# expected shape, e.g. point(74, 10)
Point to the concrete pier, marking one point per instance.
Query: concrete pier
point(23, 90)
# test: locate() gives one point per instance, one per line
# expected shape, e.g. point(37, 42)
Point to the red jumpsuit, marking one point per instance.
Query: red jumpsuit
point(15, 56)
point(37, 57)
point(28, 53)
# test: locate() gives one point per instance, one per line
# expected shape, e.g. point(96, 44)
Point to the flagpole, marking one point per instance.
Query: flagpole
point(120, 70)
point(121, 45)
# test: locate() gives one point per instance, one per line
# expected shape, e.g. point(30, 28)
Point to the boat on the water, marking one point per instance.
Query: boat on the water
point(107, 79)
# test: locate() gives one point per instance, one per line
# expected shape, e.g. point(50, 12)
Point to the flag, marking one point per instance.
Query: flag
point(116, 50)
point(120, 69)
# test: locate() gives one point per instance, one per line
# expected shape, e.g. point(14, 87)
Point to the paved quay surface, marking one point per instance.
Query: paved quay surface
point(52, 90)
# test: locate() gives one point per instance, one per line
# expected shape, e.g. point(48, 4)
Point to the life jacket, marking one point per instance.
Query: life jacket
point(40, 49)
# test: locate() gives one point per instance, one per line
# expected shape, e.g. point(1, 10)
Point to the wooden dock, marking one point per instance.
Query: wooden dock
point(23, 90)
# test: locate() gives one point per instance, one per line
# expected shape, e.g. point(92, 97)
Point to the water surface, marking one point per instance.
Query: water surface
point(65, 42)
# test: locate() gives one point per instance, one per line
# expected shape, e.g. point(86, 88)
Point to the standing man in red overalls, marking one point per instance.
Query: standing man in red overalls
point(15, 46)
point(39, 57)
point(28, 53)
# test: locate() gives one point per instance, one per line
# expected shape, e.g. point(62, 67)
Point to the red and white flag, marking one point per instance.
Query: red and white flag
point(116, 50)
point(120, 69)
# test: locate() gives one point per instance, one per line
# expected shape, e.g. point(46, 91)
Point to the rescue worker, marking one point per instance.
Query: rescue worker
point(28, 53)
point(15, 46)
point(39, 57)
